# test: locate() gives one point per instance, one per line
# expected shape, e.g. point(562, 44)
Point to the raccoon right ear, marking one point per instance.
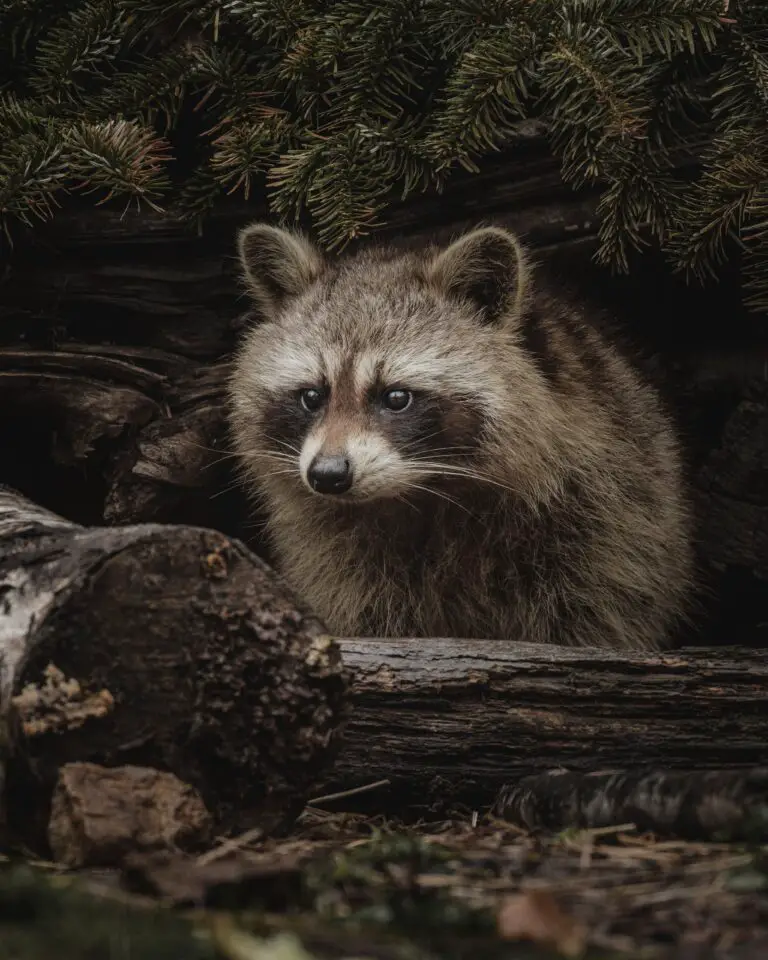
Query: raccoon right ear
point(489, 268)
point(276, 263)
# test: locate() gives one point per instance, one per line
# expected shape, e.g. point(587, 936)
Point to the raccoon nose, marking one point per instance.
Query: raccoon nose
point(330, 474)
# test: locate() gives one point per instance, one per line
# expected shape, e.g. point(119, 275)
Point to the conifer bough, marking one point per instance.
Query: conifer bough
point(339, 107)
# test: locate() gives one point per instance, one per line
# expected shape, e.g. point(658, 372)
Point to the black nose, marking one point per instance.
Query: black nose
point(330, 474)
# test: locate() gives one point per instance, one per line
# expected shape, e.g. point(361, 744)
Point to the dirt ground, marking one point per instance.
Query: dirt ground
point(351, 886)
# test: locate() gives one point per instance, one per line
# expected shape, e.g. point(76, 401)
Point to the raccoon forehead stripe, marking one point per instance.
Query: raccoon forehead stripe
point(436, 372)
point(375, 368)
point(367, 370)
point(289, 368)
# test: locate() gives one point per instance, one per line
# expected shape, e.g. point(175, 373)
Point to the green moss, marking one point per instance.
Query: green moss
point(44, 916)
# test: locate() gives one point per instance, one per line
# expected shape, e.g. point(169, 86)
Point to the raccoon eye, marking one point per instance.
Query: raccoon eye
point(396, 400)
point(311, 399)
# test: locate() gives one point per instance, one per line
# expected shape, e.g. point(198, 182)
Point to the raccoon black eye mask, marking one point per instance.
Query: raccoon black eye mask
point(396, 399)
point(444, 446)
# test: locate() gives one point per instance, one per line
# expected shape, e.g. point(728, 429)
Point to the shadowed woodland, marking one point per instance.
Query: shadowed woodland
point(185, 756)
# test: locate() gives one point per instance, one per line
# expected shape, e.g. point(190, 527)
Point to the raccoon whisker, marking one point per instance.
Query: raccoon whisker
point(283, 471)
point(278, 458)
point(441, 495)
point(403, 499)
point(452, 470)
point(440, 452)
point(417, 443)
point(242, 483)
point(432, 454)
point(282, 443)
point(419, 440)
point(222, 455)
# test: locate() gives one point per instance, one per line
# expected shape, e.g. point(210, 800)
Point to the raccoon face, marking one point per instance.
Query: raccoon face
point(360, 438)
point(355, 425)
point(375, 379)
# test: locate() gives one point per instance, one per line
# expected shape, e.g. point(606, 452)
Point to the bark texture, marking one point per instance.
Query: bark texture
point(452, 721)
point(161, 646)
point(695, 805)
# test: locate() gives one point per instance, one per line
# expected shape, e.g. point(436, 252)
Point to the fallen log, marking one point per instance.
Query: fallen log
point(707, 805)
point(175, 648)
point(159, 646)
point(451, 722)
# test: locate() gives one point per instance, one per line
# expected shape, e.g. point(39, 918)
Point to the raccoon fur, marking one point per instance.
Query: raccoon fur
point(444, 448)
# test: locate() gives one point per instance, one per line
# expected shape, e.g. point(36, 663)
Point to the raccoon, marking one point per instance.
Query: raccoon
point(445, 448)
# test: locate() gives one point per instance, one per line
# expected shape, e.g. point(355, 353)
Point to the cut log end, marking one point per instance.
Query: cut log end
point(172, 648)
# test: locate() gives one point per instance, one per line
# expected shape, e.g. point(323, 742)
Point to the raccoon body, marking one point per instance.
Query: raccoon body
point(445, 449)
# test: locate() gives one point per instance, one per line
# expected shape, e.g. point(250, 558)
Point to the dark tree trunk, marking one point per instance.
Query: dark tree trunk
point(188, 655)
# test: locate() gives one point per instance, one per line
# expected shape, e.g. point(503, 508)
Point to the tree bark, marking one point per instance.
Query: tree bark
point(452, 721)
point(161, 646)
point(696, 805)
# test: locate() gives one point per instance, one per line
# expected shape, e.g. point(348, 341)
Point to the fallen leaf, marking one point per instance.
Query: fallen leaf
point(536, 916)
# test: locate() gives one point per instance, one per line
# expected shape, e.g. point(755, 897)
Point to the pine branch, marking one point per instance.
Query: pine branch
point(644, 30)
point(118, 157)
point(756, 242)
point(246, 150)
point(22, 21)
point(339, 106)
point(32, 172)
point(273, 22)
point(154, 87)
point(484, 98)
point(596, 98)
point(640, 203)
point(343, 206)
point(197, 196)
point(377, 57)
point(80, 48)
point(43, 157)
point(471, 21)
point(715, 210)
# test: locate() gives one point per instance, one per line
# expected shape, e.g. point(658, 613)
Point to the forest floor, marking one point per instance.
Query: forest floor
point(351, 886)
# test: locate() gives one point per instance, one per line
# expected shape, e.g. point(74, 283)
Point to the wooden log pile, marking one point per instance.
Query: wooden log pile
point(173, 649)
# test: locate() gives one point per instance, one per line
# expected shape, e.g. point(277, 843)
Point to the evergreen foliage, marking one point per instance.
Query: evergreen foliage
point(341, 105)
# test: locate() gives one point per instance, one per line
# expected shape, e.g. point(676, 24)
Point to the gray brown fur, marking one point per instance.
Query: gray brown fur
point(554, 509)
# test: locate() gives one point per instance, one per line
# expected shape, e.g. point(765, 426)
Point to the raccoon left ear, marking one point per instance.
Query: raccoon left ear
point(276, 263)
point(489, 268)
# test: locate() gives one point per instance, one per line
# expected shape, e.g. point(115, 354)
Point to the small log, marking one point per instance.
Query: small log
point(715, 805)
point(160, 646)
point(452, 721)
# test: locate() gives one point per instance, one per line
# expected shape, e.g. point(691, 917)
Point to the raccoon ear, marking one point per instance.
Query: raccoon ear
point(489, 268)
point(276, 263)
